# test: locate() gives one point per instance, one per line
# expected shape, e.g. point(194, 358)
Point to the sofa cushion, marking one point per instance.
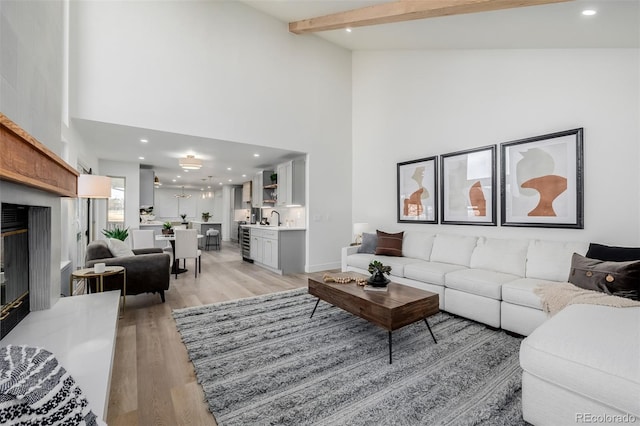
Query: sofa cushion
point(359, 260)
point(590, 350)
point(507, 256)
point(119, 248)
point(369, 243)
point(616, 278)
point(550, 260)
point(430, 272)
point(479, 282)
point(454, 249)
point(397, 263)
point(613, 253)
point(417, 245)
point(389, 244)
point(520, 292)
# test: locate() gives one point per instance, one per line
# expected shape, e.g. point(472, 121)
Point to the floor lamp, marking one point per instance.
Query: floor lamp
point(91, 187)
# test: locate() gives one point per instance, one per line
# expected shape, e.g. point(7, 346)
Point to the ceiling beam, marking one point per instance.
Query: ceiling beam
point(405, 10)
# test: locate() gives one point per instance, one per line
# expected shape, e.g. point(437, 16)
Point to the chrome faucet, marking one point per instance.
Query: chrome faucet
point(272, 212)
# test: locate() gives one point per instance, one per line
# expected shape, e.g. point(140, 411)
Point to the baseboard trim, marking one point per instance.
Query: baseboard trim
point(322, 267)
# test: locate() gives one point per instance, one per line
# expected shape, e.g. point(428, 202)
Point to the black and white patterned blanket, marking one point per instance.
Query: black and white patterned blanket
point(36, 390)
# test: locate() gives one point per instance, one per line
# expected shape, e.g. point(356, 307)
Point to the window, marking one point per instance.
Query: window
point(115, 204)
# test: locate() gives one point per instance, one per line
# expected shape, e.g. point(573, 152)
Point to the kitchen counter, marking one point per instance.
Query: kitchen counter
point(151, 223)
point(276, 228)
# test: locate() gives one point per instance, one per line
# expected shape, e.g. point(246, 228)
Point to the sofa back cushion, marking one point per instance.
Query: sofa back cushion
point(551, 260)
point(500, 255)
point(417, 245)
point(453, 249)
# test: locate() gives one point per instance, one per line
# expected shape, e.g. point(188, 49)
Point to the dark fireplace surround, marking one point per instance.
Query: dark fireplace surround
point(32, 180)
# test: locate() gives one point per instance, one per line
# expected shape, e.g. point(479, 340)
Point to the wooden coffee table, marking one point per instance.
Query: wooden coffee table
point(400, 305)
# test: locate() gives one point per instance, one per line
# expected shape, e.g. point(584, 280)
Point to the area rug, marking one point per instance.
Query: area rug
point(263, 361)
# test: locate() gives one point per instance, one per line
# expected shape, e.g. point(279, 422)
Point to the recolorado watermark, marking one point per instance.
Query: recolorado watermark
point(605, 418)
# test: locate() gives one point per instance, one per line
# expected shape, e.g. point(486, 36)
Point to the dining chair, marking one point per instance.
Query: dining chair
point(187, 248)
point(143, 238)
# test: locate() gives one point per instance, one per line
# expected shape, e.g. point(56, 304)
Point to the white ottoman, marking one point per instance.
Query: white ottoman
point(583, 366)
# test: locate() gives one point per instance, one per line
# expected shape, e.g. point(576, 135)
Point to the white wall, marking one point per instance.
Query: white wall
point(413, 104)
point(169, 208)
point(223, 70)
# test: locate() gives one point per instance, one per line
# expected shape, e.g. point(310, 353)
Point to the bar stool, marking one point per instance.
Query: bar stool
point(213, 239)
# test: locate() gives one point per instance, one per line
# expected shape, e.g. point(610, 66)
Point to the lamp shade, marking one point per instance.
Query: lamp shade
point(358, 230)
point(190, 163)
point(94, 186)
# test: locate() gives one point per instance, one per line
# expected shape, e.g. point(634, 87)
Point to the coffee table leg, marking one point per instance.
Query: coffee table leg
point(314, 308)
point(390, 348)
point(434, 337)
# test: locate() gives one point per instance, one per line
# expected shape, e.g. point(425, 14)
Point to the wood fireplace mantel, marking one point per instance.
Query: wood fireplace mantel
point(26, 161)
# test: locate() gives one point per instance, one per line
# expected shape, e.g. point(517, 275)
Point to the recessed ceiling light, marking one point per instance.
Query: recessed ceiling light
point(186, 171)
point(140, 158)
point(220, 183)
point(178, 176)
point(229, 168)
point(348, 30)
point(256, 155)
point(244, 175)
point(589, 12)
point(173, 180)
point(229, 180)
point(144, 140)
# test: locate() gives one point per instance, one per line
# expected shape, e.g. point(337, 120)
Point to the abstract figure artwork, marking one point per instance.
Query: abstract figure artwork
point(417, 198)
point(468, 182)
point(541, 181)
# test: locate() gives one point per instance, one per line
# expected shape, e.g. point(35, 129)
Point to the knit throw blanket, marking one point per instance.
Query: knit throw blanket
point(556, 296)
point(36, 390)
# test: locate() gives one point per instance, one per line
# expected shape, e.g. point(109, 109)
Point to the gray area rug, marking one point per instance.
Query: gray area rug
point(263, 361)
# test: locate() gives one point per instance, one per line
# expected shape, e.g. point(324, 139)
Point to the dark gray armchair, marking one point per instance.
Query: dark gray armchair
point(148, 271)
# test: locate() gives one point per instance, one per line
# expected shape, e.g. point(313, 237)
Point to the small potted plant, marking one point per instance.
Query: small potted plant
point(167, 228)
point(184, 218)
point(205, 216)
point(377, 271)
point(274, 177)
point(116, 232)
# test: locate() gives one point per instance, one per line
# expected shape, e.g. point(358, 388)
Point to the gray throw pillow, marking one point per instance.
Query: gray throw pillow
point(369, 243)
point(616, 278)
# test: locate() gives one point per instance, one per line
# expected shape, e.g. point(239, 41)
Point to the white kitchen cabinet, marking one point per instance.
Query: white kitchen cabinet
point(256, 191)
point(146, 188)
point(246, 192)
point(280, 250)
point(291, 183)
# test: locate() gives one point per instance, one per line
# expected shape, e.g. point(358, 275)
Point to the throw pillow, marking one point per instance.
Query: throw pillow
point(369, 243)
point(612, 253)
point(616, 278)
point(389, 244)
point(119, 248)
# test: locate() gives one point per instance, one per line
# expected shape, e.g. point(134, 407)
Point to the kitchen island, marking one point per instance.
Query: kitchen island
point(203, 227)
point(280, 249)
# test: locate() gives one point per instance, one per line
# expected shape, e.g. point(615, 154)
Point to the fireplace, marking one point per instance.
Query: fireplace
point(32, 180)
point(25, 261)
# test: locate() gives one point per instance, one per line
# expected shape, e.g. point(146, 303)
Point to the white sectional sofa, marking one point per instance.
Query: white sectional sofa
point(489, 280)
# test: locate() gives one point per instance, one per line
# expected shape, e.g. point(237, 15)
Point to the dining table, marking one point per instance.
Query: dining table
point(172, 240)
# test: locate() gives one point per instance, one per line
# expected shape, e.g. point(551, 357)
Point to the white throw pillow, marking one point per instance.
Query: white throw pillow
point(119, 248)
point(508, 256)
point(454, 249)
point(551, 260)
point(417, 245)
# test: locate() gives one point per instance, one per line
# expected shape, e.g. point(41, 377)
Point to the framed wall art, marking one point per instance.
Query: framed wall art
point(417, 194)
point(468, 187)
point(541, 183)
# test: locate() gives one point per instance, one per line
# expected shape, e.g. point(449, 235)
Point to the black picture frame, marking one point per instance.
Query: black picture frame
point(552, 168)
point(468, 187)
point(417, 191)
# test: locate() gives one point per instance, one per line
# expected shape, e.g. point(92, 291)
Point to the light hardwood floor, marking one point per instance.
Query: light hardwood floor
point(153, 382)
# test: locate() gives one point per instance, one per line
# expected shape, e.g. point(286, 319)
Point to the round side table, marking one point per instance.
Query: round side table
point(84, 274)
